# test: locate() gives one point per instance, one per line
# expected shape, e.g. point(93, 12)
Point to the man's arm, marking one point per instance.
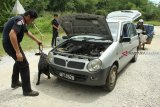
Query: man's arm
point(13, 38)
point(29, 34)
point(55, 26)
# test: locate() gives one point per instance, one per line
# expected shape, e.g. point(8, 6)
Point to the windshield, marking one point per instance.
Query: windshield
point(114, 27)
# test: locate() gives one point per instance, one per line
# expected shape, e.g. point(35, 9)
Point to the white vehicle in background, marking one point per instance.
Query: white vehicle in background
point(97, 48)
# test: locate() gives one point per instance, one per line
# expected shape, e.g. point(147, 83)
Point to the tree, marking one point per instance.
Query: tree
point(38, 5)
point(149, 10)
point(57, 5)
point(5, 10)
point(70, 6)
point(85, 6)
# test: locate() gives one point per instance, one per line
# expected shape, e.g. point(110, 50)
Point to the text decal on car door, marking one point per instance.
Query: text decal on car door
point(125, 53)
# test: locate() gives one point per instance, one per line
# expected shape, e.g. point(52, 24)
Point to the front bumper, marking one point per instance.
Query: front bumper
point(87, 78)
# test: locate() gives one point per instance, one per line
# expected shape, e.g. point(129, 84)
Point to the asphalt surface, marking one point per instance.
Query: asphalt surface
point(137, 85)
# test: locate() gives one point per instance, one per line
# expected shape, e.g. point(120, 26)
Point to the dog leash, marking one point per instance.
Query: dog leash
point(40, 49)
point(40, 45)
point(42, 36)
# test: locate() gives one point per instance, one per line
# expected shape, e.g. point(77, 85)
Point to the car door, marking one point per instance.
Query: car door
point(134, 40)
point(125, 46)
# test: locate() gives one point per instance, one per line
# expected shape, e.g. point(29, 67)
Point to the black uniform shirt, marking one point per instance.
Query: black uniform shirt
point(17, 24)
point(55, 22)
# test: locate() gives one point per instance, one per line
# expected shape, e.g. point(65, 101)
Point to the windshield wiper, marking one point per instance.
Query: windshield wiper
point(84, 38)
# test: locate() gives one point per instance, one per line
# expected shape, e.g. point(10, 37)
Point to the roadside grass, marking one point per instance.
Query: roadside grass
point(43, 23)
point(154, 23)
point(1, 47)
point(28, 44)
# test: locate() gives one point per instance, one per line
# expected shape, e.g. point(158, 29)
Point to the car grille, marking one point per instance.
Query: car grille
point(59, 61)
point(77, 65)
point(70, 64)
point(78, 77)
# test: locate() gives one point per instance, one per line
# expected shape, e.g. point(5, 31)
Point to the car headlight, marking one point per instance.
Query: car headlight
point(94, 65)
point(50, 56)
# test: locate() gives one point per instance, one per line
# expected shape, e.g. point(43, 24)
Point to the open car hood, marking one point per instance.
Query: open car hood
point(85, 24)
point(125, 14)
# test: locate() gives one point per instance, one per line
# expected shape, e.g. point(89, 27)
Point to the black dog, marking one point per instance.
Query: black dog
point(43, 67)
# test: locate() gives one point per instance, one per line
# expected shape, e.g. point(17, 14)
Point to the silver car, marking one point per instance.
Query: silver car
point(96, 48)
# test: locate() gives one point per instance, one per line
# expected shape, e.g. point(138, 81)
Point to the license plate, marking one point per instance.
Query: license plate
point(67, 76)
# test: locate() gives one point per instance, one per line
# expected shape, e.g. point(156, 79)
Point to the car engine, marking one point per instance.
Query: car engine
point(92, 49)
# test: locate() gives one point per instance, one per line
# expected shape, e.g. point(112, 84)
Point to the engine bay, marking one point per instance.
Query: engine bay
point(86, 48)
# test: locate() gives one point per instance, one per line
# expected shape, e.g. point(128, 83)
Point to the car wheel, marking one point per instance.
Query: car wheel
point(134, 59)
point(111, 79)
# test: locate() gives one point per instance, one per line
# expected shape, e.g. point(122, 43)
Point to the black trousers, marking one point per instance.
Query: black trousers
point(55, 34)
point(21, 68)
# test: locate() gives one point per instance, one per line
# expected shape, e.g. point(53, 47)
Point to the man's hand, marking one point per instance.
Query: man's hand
point(39, 42)
point(19, 56)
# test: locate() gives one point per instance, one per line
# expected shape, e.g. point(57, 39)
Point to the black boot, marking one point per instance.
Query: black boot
point(31, 93)
point(16, 85)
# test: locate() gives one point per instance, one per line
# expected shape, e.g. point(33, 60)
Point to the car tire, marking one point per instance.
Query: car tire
point(111, 79)
point(134, 59)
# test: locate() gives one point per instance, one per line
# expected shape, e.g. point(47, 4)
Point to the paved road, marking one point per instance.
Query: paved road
point(137, 85)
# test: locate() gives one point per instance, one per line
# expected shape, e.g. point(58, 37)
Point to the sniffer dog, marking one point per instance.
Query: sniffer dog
point(43, 67)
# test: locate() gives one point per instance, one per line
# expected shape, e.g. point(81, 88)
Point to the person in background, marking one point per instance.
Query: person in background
point(13, 34)
point(142, 35)
point(141, 26)
point(55, 28)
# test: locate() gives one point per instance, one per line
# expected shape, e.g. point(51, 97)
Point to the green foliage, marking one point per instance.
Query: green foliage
point(101, 12)
point(38, 5)
point(149, 10)
point(1, 48)
point(43, 23)
point(5, 11)
point(70, 6)
point(102, 4)
point(57, 5)
point(90, 6)
point(154, 23)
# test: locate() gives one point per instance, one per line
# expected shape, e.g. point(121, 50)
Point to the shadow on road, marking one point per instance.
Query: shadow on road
point(69, 91)
point(124, 70)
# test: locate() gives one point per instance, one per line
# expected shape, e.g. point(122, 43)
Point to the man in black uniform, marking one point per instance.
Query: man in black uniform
point(13, 33)
point(55, 26)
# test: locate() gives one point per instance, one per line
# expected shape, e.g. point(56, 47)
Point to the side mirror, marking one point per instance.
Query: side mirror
point(125, 39)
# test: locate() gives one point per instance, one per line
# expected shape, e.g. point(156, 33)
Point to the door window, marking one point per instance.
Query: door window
point(132, 30)
point(129, 30)
point(125, 30)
